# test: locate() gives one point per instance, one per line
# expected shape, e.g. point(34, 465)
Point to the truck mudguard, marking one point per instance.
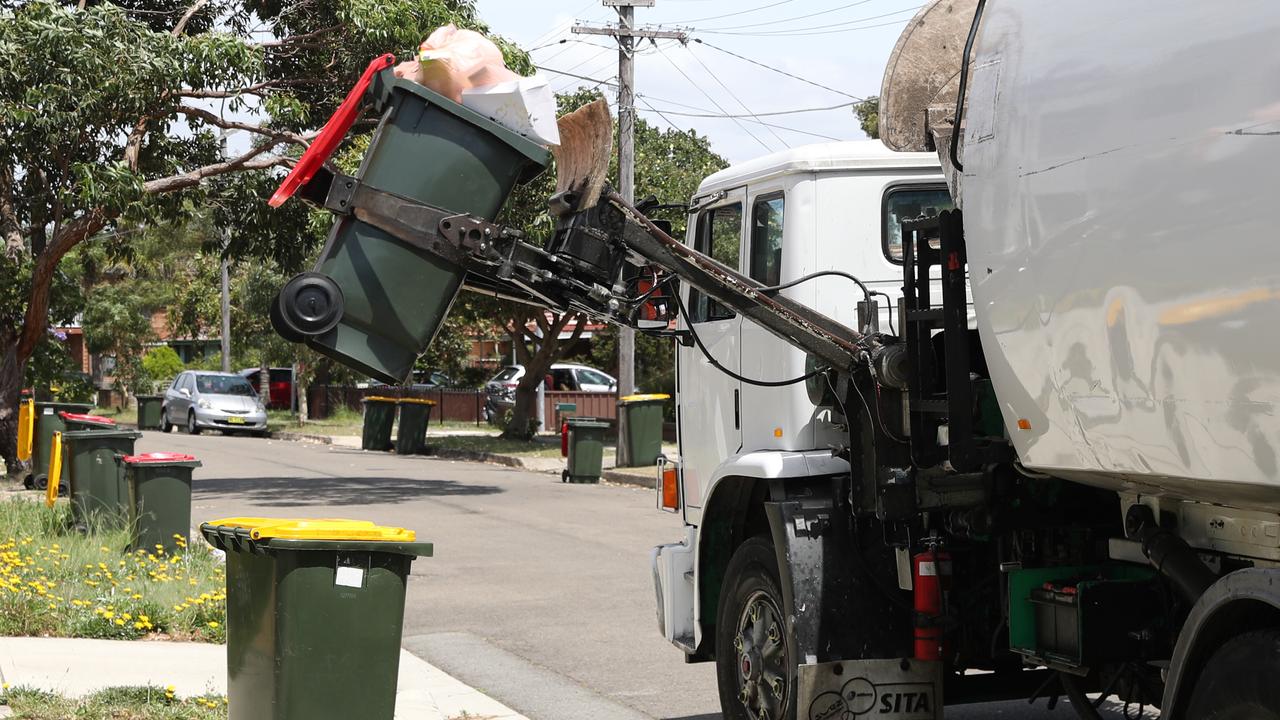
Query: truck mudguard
point(1241, 601)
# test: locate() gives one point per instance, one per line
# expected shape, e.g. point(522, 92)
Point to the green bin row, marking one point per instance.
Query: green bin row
point(380, 416)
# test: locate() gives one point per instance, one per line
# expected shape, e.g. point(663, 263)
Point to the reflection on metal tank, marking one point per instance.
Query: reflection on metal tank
point(1119, 161)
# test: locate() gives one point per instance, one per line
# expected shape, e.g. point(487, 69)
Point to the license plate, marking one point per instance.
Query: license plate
point(235, 421)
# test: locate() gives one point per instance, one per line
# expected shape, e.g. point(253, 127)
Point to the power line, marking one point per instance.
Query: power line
point(821, 29)
point(732, 14)
point(713, 101)
point(597, 81)
point(798, 17)
point(757, 122)
point(780, 72)
point(757, 115)
point(720, 82)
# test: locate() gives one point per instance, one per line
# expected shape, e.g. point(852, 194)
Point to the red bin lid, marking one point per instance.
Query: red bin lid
point(331, 134)
point(159, 457)
point(78, 417)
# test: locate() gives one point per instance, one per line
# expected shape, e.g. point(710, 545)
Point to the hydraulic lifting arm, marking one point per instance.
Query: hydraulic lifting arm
point(605, 259)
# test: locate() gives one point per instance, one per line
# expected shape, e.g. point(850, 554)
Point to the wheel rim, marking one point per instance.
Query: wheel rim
point(762, 661)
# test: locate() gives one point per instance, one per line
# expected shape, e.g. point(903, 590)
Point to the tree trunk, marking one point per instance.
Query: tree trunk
point(523, 424)
point(11, 372)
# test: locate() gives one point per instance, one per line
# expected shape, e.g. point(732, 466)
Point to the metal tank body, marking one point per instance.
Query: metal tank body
point(1120, 163)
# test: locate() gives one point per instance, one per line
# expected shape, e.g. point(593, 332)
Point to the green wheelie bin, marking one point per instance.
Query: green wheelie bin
point(379, 417)
point(99, 497)
point(314, 616)
point(415, 414)
point(149, 411)
point(372, 301)
point(159, 487)
point(586, 450)
point(48, 422)
point(640, 429)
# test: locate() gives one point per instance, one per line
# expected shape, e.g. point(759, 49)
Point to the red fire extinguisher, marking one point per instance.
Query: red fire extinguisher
point(931, 576)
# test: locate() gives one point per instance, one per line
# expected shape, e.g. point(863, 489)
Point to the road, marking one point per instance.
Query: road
point(539, 594)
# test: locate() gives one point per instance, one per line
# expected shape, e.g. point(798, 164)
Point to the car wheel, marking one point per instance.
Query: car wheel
point(192, 427)
point(1238, 681)
point(165, 425)
point(755, 667)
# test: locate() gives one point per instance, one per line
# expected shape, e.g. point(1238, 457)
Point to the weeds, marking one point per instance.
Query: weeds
point(120, 703)
point(57, 582)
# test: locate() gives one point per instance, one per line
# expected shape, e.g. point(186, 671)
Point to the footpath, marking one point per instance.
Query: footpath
point(75, 668)
point(637, 476)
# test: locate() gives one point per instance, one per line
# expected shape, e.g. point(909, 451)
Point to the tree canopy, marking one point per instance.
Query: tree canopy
point(115, 117)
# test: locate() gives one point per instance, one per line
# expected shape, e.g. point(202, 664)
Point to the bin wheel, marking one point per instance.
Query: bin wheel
point(40, 482)
point(564, 475)
point(276, 314)
point(192, 427)
point(29, 482)
point(310, 304)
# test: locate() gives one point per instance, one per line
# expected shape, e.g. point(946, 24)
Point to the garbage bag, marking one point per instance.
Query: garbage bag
point(525, 105)
point(452, 60)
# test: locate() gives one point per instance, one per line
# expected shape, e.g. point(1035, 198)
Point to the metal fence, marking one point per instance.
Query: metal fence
point(457, 405)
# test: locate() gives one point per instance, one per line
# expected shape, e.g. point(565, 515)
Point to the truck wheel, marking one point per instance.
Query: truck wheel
point(1238, 682)
point(755, 669)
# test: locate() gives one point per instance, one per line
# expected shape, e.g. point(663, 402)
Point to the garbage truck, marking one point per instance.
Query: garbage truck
point(1037, 460)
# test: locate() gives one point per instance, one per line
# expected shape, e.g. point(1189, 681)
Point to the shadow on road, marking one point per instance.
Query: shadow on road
point(300, 492)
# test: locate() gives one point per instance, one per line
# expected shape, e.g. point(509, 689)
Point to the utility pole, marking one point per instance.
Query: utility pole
point(625, 33)
point(226, 314)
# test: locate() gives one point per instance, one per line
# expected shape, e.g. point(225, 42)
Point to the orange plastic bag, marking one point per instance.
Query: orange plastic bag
point(453, 60)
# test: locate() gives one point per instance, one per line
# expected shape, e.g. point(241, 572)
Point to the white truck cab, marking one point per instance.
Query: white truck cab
point(778, 218)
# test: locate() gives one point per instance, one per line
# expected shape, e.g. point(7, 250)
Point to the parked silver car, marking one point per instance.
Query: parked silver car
point(199, 400)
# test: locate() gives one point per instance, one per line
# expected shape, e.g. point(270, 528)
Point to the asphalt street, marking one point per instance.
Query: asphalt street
point(539, 593)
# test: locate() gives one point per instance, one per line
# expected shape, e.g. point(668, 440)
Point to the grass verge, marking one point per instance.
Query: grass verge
point(57, 582)
point(121, 703)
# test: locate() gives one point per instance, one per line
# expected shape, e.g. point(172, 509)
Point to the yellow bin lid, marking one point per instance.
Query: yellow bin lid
point(417, 401)
point(378, 398)
point(317, 529)
point(642, 398)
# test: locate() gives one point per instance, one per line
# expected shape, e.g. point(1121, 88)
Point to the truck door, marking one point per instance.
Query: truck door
point(709, 413)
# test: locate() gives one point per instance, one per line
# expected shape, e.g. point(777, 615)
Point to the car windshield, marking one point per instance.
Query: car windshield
point(224, 385)
point(506, 374)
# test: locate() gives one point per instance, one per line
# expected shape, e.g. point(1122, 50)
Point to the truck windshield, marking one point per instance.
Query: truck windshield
point(905, 203)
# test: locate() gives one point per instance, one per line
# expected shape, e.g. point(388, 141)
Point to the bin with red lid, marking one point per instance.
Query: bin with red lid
point(85, 421)
point(374, 301)
point(159, 499)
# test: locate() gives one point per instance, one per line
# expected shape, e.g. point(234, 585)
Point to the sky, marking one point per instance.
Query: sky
point(840, 44)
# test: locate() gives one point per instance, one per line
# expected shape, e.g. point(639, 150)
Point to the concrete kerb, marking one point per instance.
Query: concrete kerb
point(637, 477)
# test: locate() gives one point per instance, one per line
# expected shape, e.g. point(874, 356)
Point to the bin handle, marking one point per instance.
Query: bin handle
point(55, 471)
point(330, 136)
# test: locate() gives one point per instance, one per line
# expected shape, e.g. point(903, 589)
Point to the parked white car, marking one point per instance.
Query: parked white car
point(563, 376)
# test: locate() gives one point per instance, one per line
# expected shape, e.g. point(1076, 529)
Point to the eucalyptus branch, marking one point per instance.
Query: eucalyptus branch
point(10, 227)
point(248, 161)
point(218, 121)
point(293, 39)
point(255, 89)
point(191, 11)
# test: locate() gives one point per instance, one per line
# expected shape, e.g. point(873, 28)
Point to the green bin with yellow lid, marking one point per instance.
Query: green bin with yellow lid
point(640, 429)
point(315, 610)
